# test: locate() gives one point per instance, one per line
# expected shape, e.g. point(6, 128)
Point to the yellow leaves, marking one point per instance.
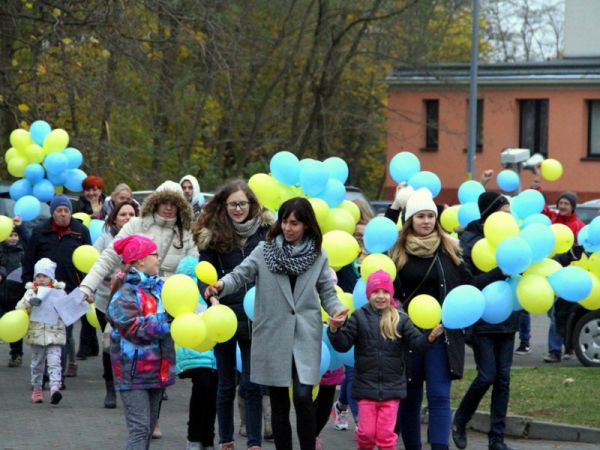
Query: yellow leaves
point(14, 62)
point(23, 107)
point(105, 54)
point(94, 40)
point(23, 124)
point(200, 37)
point(67, 40)
point(56, 12)
point(28, 5)
point(183, 53)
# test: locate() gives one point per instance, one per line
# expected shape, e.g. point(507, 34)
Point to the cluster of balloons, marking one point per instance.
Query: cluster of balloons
point(44, 163)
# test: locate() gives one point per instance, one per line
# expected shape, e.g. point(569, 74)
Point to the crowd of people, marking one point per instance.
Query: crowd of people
point(174, 228)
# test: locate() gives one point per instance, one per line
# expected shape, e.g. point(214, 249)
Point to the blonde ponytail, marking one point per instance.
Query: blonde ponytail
point(390, 318)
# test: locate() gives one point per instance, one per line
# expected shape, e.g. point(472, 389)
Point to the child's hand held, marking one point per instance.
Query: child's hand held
point(435, 333)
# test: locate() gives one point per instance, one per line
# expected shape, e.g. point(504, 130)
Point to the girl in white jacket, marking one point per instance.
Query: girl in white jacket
point(45, 340)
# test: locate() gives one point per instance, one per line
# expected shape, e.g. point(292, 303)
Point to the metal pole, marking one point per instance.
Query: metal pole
point(473, 92)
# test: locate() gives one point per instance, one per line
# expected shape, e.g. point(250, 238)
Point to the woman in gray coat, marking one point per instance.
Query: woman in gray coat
point(291, 275)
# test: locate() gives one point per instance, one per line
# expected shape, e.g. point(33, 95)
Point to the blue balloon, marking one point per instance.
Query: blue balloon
point(74, 157)
point(513, 255)
point(58, 179)
point(28, 208)
point(74, 179)
point(470, 191)
point(462, 307)
point(338, 169)
point(285, 167)
point(238, 358)
point(571, 283)
point(43, 190)
point(536, 218)
point(96, 228)
point(34, 172)
point(594, 231)
point(325, 359)
point(403, 166)
point(508, 180)
point(347, 358)
point(56, 163)
point(527, 203)
point(39, 130)
point(249, 303)
point(334, 193)
point(380, 235)
point(498, 302)
point(513, 282)
point(467, 213)
point(313, 177)
point(20, 188)
point(540, 238)
point(359, 294)
point(427, 180)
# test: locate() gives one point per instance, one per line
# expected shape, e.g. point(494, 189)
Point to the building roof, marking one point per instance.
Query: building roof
point(571, 71)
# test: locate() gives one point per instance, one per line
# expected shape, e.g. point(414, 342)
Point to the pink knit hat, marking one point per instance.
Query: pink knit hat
point(135, 247)
point(379, 280)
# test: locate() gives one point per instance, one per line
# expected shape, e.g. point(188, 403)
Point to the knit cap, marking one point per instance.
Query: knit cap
point(420, 200)
point(380, 280)
point(489, 203)
point(60, 200)
point(135, 247)
point(570, 196)
point(46, 267)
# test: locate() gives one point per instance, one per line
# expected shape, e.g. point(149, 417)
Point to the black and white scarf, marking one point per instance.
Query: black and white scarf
point(283, 257)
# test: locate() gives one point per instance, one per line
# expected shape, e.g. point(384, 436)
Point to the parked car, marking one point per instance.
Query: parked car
point(583, 334)
point(587, 211)
point(380, 206)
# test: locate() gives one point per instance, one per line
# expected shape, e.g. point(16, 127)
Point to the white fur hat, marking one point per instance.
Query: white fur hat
point(46, 267)
point(170, 186)
point(420, 200)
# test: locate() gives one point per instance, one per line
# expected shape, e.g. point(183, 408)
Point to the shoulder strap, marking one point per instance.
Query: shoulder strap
point(163, 253)
point(408, 299)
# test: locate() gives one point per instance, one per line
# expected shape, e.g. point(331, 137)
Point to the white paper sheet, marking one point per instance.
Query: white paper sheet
point(71, 307)
point(45, 313)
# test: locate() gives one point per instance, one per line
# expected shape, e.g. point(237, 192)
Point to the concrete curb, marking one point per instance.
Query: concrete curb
point(524, 427)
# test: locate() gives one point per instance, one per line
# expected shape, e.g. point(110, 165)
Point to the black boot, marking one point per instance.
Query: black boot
point(459, 434)
point(110, 401)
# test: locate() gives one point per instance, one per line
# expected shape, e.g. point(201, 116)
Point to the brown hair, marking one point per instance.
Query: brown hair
point(110, 223)
point(366, 213)
point(215, 218)
point(400, 256)
point(302, 210)
point(117, 281)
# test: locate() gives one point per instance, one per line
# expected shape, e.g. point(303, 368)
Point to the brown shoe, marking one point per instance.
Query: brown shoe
point(227, 446)
point(71, 370)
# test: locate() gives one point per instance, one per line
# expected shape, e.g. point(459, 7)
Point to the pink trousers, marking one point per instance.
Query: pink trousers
point(377, 422)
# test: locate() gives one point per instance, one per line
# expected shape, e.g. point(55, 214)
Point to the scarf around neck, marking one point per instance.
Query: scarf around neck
point(246, 229)
point(285, 258)
point(423, 247)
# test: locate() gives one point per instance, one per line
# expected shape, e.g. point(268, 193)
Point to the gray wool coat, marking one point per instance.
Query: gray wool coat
point(285, 325)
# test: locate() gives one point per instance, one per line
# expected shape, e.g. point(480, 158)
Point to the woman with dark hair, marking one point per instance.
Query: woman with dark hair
point(292, 281)
point(118, 217)
point(230, 227)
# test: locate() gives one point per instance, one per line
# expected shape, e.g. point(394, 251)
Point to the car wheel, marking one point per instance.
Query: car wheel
point(586, 339)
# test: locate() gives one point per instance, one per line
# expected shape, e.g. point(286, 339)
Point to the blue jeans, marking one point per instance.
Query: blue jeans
point(524, 327)
point(493, 355)
point(345, 397)
point(225, 354)
point(555, 341)
point(432, 368)
point(16, 348)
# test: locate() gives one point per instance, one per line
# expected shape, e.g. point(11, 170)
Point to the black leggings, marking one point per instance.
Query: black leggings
point(106, 364)
point(323, 405)
point(306, 422)
point(203, 406)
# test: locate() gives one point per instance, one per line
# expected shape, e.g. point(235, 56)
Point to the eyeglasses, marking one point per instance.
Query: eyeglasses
point(153, 254)
point(235, 205)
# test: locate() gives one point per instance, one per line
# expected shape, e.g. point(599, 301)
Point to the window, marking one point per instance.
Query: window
point(533, 125)
point(593, 127)
point(431, 124)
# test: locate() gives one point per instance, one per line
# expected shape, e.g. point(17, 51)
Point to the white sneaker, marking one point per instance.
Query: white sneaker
point(340, 417)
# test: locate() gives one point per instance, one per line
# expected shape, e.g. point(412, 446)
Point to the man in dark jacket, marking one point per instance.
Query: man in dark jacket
point(492, 344)
point(56, 239)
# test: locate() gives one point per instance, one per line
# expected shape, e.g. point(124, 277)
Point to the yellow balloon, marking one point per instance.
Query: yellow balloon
point(321, 210)
point(425, 311)
point(84, 257)
point(377, 261)
point(86, 219)
point(10, 154)
point(188, 330)
point(535, 294)
point(266, 189)
point(449, 218)
point(34, 153)
point(58, 189)
point(285, 192)
point(56, 141)
point(221, 323)
point(483, 255)
point(16, 166)
point(14, 325)
point(352, 208)
point(324, 316)
point(6, 227)
point(180, 295)
point(20, 138)
point(92, 317)
point(543, 268)
point(592, 301)
point(498, 226)
point(339, 219)
point(594, 263)
point(582, 263)
point(564, 238)
point(206, 273)
point(551, 169)
point(341, 248)
point(348, 301)
point(205, 345)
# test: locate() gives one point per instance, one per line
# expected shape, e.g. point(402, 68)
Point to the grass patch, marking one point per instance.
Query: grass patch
point(554, 394)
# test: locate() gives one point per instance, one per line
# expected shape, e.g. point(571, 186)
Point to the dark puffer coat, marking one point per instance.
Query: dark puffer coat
point(380, 368)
